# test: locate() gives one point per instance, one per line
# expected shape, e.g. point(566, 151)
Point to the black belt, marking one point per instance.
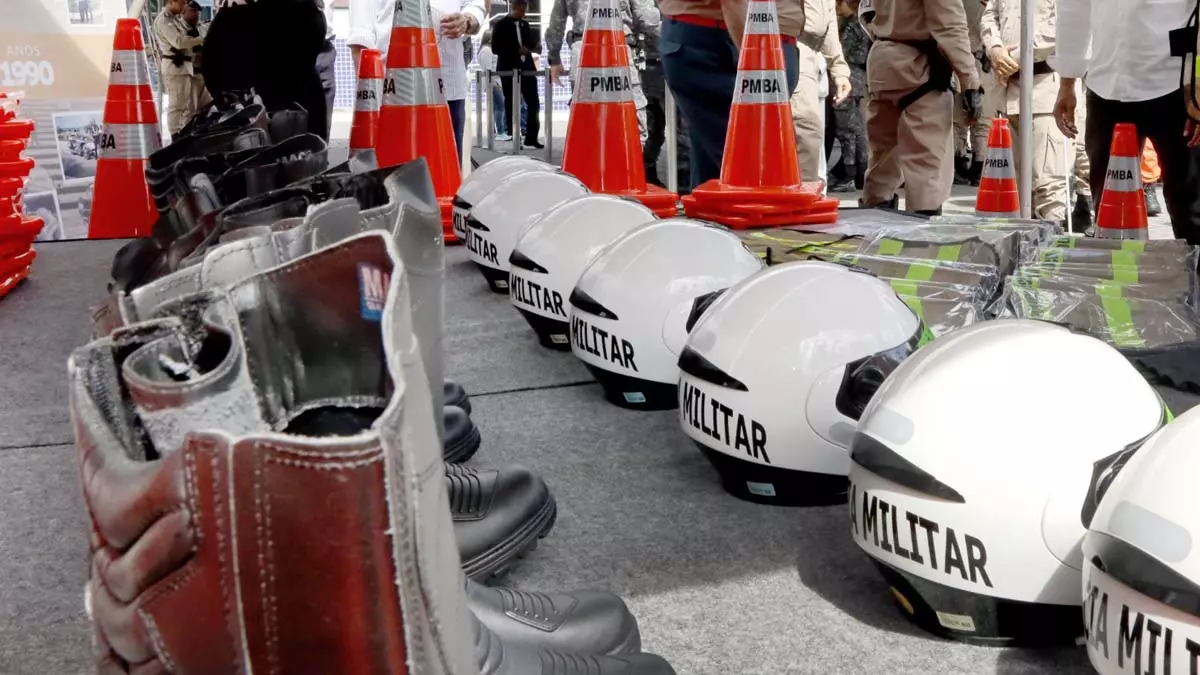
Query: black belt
point(940, 72)
point(1039, 68)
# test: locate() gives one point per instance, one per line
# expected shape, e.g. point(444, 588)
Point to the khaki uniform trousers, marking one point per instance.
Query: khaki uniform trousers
point(1083, 167)
point(914, 146)
point(1049, 170)
point(808, 112)
point(185, 93)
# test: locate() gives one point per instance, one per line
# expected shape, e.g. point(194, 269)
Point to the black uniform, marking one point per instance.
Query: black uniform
point(509, 35)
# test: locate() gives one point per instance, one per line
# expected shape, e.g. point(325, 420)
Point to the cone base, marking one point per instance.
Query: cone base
point(1142, 234)
point(801, 194)
point(16, 130)
point(18, 168)
point(18, 226)
point(997, 214)
point(751, 216)
point(15, 263)
point(10, 187)
point(7, 284)
point(446, 206)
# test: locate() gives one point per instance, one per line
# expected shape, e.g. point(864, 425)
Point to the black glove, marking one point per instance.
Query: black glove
point(985, 64)
point(194, 32)
point(972, 101)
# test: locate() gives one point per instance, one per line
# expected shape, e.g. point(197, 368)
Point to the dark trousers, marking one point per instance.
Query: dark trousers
point(458, 118)
point(529, 92)
point(700, 64)
point(1161, 120)
point(325, 61)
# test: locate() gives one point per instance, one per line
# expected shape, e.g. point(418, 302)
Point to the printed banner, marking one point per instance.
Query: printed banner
point(58, 52)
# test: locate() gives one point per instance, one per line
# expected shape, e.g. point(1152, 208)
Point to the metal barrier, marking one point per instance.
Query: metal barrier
point(485, 127)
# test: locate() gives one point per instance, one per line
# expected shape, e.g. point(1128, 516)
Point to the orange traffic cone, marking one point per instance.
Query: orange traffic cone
point(1122, 212)
point(760, 183)
point(414, 120)
point(123, 206)
point(998, 197)
point(17, 230)
point(364, 129)
point(603, 147)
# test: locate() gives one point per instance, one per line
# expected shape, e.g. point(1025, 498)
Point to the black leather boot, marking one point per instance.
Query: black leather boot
point(497, 657)
point(1081, 215)
point(976, 174)
point(498, 515)
point(582, 622)
point(462, 438)
point(962, 170)
point(454, 394)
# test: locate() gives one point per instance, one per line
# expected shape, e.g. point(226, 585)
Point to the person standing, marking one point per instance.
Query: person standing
point(1132, 76)
point(816, 45)
point(487, 63)
point(1000, 30)
point(184, 90)
point(639, 17)
point(970, 140)
point(700, 45)
point(655, 85)
point(456, 19)
point(919, 46)
point(848, 114)
point(326, 59)
point(514, 42)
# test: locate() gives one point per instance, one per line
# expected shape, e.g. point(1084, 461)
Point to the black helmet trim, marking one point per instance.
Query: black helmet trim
point(1144, 573)
point(879, 459)
point(692, 363)
point(474, 224)
point(586, 303)
point(1107, 468)
point(699, 305)
point(461, 203)
point(864, 376)
point(522, 261)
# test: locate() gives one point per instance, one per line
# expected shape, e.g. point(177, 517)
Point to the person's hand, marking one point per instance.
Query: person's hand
point(972, 103)
point(1191, 129)
point(455, 25)
point(556, 71)
point(356, 56)
point(1003, 62)
point(842, 89)
point(525, 51)
point(1064, 108)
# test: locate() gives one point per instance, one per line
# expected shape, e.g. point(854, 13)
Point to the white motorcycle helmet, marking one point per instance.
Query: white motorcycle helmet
point(551, 254)
point(498, 219)
point(631, 306)
point(777, 371)
point(483, 180)
point(1141, 574)
point(971, 465)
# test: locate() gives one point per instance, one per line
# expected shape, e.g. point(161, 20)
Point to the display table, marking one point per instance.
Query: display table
point(720, 586)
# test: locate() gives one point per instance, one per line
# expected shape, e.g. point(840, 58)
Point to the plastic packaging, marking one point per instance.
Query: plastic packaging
point(1044, 228)
point(777, 245)
point(1128, 275)
point(985, 278)
point(999, 249)
point(1138, 246)
point(1167, 291)
point(944, 309)
point(1158, 259)
point(1125, 323)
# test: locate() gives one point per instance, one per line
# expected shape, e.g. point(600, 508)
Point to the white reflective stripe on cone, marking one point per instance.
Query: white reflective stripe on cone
point(128, 141)
point(413, 86)
point(604, 15)
point(128, 68)
point(367, 99)
point(604, 85)
point(761, 86)
point(762, 19)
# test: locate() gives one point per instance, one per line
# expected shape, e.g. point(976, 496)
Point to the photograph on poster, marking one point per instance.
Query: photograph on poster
point(44, 205)
point(85, 12)
point(76, 134)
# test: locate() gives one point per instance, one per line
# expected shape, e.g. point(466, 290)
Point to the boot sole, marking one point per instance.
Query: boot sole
point(632, 644)
point(465, 449)
point(497, 560)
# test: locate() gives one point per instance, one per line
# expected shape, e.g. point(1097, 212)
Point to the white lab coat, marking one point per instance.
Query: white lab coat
point(371, 27)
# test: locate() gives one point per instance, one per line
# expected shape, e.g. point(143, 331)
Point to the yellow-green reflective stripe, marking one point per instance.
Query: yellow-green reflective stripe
point(914, 303)
point(1109, 289)
point(845, 258)
point(1133, 245)
point(927, 335)
point(1053, 256)
point(1125, 259)
point(1124, 275)
point(920, 271)
point(1063, 242)
point(890, 247)
point(1119, 317)
point(904, 287)
point(949, 253)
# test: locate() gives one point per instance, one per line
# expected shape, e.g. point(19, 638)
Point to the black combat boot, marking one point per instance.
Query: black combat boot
point(581, 622)
point(462, 437)
point(498, 515)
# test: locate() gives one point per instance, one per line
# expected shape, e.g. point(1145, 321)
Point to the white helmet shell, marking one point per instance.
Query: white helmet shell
point(766, 373)
point(498, 220)
point(483, 180)
point(969, 469)
point(630, 307)
point(1141, 575)
point(551, 254)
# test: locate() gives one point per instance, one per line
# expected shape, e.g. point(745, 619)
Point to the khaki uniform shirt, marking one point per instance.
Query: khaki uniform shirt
point(894, 67)
point(170, 31)
point(733, 13)
point(1000, 26)
point(821, 34)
